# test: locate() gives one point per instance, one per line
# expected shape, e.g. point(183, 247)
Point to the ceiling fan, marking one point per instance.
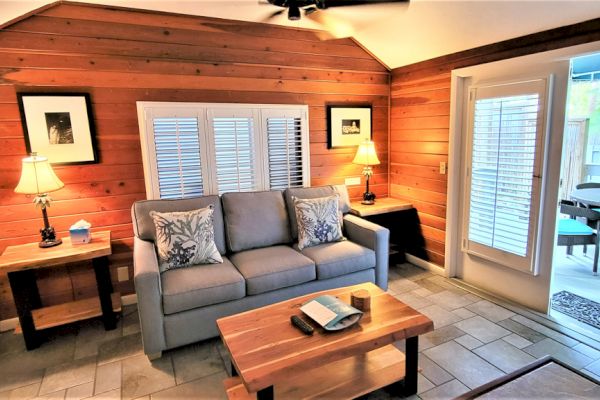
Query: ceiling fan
point(313, 9)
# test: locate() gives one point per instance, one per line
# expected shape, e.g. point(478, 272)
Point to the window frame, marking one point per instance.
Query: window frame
point(148, 110)
point(542, 86)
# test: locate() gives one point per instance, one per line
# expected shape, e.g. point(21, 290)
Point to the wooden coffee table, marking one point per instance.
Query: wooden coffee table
point(271, 358)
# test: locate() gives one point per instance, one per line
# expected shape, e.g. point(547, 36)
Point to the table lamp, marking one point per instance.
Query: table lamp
point(37, 177)
point(365, 155)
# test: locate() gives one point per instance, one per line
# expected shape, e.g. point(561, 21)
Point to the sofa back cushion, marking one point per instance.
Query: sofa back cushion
point(143, 225)
point(255, 219)
point(313, 193)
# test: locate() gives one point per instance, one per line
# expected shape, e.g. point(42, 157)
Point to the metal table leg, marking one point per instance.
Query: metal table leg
point(105, 290)
point(27, 297)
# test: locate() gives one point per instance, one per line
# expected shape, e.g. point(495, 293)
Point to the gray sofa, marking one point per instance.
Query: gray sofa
point(254, 232)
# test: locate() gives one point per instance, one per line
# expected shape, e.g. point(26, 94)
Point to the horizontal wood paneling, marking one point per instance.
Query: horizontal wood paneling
point(420, 116)
point(120, 56)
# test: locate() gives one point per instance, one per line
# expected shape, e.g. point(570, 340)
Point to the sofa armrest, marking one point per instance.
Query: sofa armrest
point(374, 237)
point(149, 294)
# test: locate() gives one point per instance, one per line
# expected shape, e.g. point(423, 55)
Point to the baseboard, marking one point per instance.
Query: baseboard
point(431, 267)
point(129, 299)
point(8, 324)
point(11, 323)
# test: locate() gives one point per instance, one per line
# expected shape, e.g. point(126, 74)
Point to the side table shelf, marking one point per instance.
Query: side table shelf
point(66, 313)
point(20, 263)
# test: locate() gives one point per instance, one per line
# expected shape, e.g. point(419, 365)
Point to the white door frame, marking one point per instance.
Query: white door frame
point(552, 157)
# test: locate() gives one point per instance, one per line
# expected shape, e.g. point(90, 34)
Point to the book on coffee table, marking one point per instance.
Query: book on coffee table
point(331, 313)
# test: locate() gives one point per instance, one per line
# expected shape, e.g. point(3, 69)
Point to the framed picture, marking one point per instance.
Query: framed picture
point(59, 126)
point(348, 125)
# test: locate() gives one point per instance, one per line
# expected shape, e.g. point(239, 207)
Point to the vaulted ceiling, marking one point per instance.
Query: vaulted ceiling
point(398, 34)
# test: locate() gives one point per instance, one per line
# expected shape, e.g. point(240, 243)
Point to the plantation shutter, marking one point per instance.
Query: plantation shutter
point(506, 131)
point(234, 151)
point(195, 149)
point(284, 137)
point(177, 153)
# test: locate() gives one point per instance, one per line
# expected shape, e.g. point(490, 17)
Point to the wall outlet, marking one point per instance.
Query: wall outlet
point(443, 167)
point(352, 181)
point(123, 274)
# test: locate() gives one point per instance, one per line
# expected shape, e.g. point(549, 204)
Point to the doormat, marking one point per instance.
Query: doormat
point(580, 308)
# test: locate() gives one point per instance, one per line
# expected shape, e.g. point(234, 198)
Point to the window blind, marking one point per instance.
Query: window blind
point(284, 137)
point(234, 154)
point(502, 169)
point(177, 153)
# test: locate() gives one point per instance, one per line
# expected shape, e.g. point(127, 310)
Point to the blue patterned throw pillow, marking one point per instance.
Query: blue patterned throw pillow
point(318, 221)
point(185, 238)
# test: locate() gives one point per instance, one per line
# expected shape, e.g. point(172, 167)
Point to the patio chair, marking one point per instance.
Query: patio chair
point(588, 185)
point(572, 232)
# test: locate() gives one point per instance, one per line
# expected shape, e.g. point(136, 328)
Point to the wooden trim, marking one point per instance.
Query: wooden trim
point(551, 39)
point(29, 14)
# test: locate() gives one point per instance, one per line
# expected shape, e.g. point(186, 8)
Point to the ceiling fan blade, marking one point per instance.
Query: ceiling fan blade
point(273, 15)
point(346, 3)
point(334, 28)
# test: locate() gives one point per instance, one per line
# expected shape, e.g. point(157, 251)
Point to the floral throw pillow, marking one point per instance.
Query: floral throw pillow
point(318, 221)
point(185, 238)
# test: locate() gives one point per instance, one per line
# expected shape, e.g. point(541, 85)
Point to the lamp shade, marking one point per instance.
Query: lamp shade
point(37, 177)
point(365, 155)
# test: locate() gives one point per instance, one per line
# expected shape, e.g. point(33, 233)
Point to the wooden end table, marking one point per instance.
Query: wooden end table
point(20, 263)
point(399, 217)
point(271, 358)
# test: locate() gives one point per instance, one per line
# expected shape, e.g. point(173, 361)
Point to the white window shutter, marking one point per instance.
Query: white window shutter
point(234, 151)
point(177, 154)
point(506, 131)
point(285, 158)
point(194, 149)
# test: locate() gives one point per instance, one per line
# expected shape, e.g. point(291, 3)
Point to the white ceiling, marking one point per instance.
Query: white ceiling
point(398, 34)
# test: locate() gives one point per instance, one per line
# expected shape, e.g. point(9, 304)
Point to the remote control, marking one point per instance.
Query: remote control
point(302, 325)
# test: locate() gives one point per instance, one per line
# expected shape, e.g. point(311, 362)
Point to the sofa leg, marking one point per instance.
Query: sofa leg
point(154, 356)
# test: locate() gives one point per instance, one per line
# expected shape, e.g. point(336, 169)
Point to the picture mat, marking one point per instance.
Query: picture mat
point(35, 109)
point(338, 114)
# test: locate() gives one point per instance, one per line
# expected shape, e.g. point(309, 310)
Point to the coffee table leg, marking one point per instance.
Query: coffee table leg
point(233, 370)
point(266, 394)
point(412, 366)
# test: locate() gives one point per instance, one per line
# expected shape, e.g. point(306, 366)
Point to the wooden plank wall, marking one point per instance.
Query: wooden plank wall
point(419, 129)
point(121, 56)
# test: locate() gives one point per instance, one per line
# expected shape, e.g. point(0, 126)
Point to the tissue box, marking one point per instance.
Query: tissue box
point(80, 235)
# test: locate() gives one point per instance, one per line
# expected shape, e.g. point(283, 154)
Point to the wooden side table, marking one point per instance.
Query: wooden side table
point(390, 213)
point(20, 263)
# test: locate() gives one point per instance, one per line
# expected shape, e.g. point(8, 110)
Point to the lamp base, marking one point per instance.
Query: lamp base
point(49, 238)
point(50, 243)
point(368, 198)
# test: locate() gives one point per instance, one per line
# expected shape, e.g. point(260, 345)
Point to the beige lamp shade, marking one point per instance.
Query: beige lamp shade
point(366, 155)
point(37, 176)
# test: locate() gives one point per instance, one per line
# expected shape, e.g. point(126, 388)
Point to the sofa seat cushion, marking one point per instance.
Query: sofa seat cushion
point(340, 258)
point(201, 285)
point(272, 268)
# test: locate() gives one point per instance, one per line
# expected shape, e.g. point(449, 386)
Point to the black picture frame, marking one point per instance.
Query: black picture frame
point(62, 130)
point(348, 125)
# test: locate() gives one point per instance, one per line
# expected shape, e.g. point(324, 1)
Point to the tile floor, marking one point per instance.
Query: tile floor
point(474, 342)
point(573, 273)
